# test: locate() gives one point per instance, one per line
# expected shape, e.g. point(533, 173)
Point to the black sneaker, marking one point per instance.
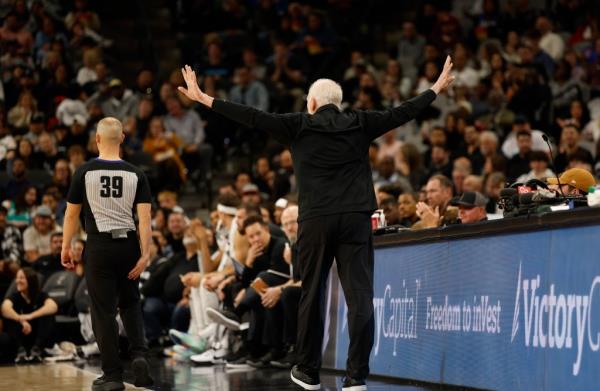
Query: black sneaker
point(350, 384)
point(141, 372)
point(240, 362)
point(308, 380)
point(35, 355)
point(21, 356)
point(104, 384)
point(288, 361)
point(225, 317)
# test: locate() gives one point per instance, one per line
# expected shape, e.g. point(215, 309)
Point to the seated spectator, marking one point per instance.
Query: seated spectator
point(20, 115)
point(49, 153)
point(176, 225)
point(264, 176)
point(460, 171)
point(36, 238)
point(164, 149)
point(538, 164)
point(167, 299)
point(436, 212)
point(390, 146)
point(251, 195)
point(18, 181)
point(11, 251)
point(440, 161)
point(29, 315)
point(494, 184)
point(122, 102)
point(22, 208)
point(471, 207)
point(167, 200)
point(188, 126)
point(62, 176)
point(390, 210)
point(50, 263)
point(407, 209)
point(473, 183)
point(519, 163)
point(410, 164)
point(248, 91)
point(575, 181)
point(569, 145)
point(36, 128)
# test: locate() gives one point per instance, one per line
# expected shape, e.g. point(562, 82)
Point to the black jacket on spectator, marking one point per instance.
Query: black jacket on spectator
point(48, 264)
point(271, 258)
point(330, 150)
point(165, 281)
point(517, 166)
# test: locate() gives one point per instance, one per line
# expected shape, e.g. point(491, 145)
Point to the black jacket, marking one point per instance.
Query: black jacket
point(330, 150)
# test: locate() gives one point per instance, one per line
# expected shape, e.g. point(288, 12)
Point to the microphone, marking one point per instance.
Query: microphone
point(547, 140)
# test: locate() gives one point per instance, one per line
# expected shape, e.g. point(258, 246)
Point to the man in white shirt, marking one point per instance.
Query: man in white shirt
point(550, 42)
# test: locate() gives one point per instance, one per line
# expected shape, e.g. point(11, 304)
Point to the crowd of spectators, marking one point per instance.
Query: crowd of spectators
point(521, 71)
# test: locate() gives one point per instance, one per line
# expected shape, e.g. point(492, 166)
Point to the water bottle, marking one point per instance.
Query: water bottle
point(593, 197)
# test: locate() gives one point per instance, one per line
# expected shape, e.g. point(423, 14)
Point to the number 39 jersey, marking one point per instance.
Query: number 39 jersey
point(108, 190)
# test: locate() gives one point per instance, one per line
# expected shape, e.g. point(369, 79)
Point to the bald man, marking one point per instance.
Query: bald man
point(336, 199)
point(109, 191)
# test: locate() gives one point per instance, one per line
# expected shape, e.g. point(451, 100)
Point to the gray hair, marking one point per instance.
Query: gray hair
point(326, 91)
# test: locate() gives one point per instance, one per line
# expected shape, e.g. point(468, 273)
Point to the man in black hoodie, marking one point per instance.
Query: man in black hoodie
point(336, 198)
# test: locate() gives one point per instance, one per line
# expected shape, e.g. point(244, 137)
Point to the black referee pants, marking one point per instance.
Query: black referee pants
point(107, 262)
point(347, 238)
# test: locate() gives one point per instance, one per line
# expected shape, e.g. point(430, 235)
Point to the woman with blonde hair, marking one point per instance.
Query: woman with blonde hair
point(20, 115)
point(163, 147)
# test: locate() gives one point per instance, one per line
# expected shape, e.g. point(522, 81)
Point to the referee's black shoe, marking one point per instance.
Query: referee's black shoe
point(350, 384)
point(104, 384)
point(307, 379)
point(141, 372)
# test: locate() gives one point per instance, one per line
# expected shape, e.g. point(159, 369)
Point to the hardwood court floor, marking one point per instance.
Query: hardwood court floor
point(62, 376)
point(170, 375)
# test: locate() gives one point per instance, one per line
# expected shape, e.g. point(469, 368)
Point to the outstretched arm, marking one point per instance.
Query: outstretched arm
point(379, 122)
point(193, 91)
point(283, 127)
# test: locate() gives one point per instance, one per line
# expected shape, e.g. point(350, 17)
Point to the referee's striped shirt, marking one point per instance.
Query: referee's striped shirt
point(108, 191)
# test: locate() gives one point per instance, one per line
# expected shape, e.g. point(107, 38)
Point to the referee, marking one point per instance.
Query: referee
point(336, 198)
point(108, 190)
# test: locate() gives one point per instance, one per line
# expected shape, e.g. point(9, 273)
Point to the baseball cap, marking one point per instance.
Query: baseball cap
point(470, 199)
point(38, 118)
point(115, 83)
point(43, 211)
point(576, 177)
point(250, 188)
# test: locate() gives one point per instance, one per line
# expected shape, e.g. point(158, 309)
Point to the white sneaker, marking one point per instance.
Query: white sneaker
point(54, 351)
point(205, 358)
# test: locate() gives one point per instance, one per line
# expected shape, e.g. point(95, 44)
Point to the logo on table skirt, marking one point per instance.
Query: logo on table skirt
point(556, 320)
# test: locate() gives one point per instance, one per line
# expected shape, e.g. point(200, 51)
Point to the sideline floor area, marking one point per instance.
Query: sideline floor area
point(169, 375)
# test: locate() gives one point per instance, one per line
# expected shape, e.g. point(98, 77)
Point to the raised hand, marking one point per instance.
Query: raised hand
point(445, 79)
point(193, 91)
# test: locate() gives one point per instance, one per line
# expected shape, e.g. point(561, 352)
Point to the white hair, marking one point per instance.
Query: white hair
point(326, 91)
point(488, 134)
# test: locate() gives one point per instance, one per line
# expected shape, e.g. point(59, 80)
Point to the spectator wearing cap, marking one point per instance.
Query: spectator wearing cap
point(538, 164)
point(575, 181)
point(36, 238)
point(280, 205)
point(36, 128)
point(250, 194)
point(11, 250)
point(122, 103)
point(569, 145)
point(471, 207)
point(519, 163)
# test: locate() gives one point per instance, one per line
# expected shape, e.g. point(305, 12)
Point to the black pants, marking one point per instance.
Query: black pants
point(347, 238)
point(290, 298)
point(107, 263)
point(40, 336)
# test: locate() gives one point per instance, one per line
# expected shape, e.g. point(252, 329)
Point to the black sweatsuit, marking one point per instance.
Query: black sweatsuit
point(336, 198)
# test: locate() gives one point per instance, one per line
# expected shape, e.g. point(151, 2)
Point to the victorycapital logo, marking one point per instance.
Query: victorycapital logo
point(556, 320)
